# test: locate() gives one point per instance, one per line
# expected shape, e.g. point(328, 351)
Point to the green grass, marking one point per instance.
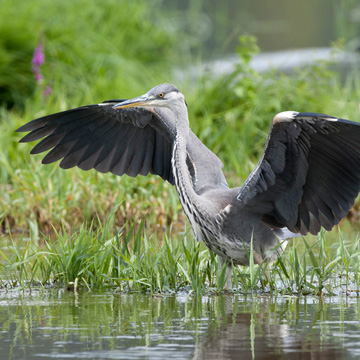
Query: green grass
point(107, 258)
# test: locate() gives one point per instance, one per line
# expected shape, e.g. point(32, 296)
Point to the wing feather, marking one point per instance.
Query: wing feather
point(309, 174)
point(122, 141)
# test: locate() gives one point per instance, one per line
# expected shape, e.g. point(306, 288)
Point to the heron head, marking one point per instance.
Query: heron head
point(163, 95)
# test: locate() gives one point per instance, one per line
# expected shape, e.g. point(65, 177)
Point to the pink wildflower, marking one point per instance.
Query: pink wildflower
point(37, 60)
point(47, 91)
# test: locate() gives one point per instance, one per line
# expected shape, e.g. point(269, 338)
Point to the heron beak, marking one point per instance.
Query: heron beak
point(143, 100)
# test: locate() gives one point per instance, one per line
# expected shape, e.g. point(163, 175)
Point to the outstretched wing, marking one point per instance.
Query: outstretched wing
point(309, 173)
point(128, 141)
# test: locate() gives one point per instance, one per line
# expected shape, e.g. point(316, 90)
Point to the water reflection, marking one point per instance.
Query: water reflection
point(117, 326)
point(285, 329)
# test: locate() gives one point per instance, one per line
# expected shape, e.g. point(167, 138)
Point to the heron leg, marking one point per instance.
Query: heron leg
point(228, 282)
point(258, 260)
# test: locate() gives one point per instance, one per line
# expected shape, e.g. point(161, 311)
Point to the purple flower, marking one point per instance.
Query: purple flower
point(39, 56)
point(36, 63)
point(47, 91)
point(38, 76)
point(37, 60)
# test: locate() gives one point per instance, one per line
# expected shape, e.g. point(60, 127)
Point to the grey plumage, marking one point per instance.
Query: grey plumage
point(307, 178)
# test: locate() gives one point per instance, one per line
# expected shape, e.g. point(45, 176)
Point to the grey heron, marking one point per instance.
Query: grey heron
point(308, 176)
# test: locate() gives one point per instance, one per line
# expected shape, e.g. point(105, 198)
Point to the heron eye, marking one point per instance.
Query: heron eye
point(161, 95)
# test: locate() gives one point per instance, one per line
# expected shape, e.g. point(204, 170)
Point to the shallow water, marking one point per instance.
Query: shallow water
point(64, 325)
point(275, 23)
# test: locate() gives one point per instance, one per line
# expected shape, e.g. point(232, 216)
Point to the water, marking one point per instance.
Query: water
point(277, 24)
point(64, 325)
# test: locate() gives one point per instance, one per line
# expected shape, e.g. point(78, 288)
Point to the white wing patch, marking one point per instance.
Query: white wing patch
point(285, 116)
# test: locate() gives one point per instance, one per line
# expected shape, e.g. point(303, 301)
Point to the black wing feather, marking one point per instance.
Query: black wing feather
point(100, 137)
point(131, 140)
point(309, 174)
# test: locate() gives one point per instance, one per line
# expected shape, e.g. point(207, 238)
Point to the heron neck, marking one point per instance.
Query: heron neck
point(191, 202)
point(183, 181)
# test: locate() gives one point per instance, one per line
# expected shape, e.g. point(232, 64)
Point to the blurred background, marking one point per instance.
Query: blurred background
point(109, 44)
point(227, 57)
point(277, 24)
